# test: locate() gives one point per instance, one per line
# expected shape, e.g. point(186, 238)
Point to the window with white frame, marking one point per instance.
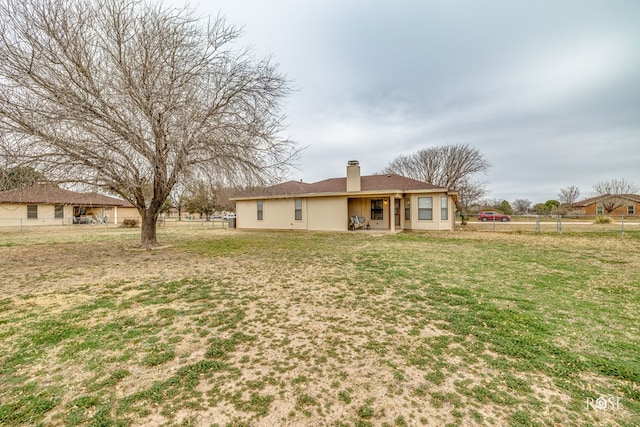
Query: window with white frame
point(425, 208)
point(444, 208)
point(260, 206)
point(407, 208)
point(58, 211)
point(598, 210)
point(631, 210)
point(298, 208)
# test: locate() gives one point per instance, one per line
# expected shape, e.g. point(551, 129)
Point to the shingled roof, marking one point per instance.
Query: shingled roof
point(49, 195)
point(369, 183)
point(592, 200)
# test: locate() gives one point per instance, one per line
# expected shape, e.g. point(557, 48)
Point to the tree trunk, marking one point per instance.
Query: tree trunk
point(148, 237)
point(463, 213)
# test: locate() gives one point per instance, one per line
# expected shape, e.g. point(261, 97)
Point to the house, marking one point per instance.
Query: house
point(48, 205)
point(625, 205)
point(384, 202)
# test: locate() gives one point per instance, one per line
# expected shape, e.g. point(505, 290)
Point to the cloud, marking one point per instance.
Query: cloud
point(548, 92)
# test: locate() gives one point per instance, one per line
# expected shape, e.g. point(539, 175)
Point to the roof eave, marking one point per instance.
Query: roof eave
point(369, 193)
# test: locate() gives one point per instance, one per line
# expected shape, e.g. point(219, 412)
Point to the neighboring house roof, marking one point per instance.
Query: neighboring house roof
point(592, 200)
point(369, 183)
point(49, 195)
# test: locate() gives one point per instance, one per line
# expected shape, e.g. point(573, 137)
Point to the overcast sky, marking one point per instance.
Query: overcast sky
point(548, 91)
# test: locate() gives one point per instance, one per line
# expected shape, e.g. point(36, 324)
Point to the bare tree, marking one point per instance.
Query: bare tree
point(445, 165)
point(490, 204)
point(569, 195)
point(469, 192)
point(177, 198)
point(448, 166)
point(133, 97)
point(611, 192)
point(522, 206)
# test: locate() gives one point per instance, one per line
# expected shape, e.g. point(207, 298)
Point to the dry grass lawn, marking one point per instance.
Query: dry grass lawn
point(234, 328)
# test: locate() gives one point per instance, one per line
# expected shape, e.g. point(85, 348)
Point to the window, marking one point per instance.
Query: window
point(298, 205)
point(32, 211)
point(425, 208)
point(631, 210)
point(598, 210)
point(444, 208)
point(260, 211)
point(58, 211)
point(376, 209)
point(407, 209)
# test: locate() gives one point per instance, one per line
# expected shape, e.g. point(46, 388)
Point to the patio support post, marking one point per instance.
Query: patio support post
point(392, 213)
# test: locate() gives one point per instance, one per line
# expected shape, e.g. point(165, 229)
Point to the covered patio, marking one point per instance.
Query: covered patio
point(380, 212)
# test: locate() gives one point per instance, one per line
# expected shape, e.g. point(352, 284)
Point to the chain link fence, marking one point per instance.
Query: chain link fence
point(559, 224)
point(24, 224)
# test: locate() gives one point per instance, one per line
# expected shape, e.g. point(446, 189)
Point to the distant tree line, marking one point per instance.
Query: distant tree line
point(610, 194)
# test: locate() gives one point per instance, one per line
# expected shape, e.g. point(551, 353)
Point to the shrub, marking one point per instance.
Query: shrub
point(129, 223)
point(602, 220)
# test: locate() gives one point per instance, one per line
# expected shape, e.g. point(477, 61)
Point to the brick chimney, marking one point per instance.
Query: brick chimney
point(353, 175)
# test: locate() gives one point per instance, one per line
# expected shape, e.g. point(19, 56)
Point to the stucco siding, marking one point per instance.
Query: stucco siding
point(9, 213)
point(276, 214)
point(323, 213)
point(328, 214)
point(16, 215)
point(436, 223)
point(245, 213)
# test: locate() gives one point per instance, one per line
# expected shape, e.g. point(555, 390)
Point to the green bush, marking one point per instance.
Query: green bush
point(602, 220)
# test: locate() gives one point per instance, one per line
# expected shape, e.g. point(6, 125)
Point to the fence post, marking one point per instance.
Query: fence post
point(537, 224)
point(559, 224)
point(622, 222)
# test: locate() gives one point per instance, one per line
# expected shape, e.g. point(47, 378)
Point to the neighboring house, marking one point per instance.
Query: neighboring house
point(627, 205)
point(48, 205)
point(385, 202)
